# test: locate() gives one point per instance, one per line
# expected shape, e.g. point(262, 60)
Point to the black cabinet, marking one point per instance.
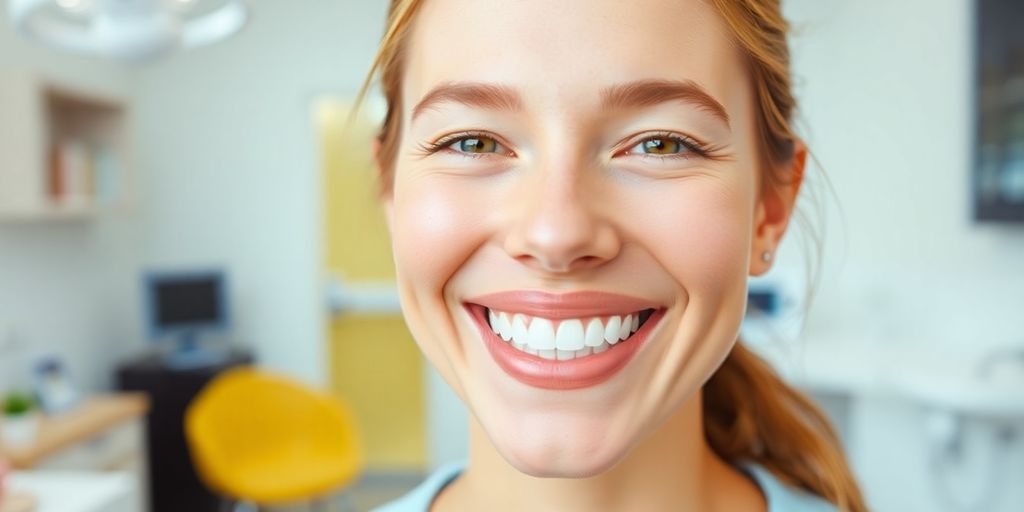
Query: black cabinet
point(174, 485)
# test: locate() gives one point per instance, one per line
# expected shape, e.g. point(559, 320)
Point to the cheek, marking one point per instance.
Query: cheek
point(699, 231)
point(436, 228)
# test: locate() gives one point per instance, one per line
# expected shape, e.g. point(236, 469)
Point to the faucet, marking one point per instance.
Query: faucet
point(997, 357)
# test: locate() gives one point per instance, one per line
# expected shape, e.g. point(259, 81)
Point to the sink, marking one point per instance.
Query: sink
point(990, 386)
point(982, 385)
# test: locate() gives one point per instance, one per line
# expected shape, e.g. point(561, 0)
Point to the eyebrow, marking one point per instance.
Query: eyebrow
point(647, 93)
point(639, 93)
point(474, 94)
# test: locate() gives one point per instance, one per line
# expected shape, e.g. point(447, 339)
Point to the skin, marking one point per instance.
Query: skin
point(564, 200)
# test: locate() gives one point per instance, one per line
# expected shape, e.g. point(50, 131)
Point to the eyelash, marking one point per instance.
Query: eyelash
point(443, 143)
point(692, 145)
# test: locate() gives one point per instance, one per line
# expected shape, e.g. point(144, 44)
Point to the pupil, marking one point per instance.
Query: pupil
point(658, 145)
point(474, 145)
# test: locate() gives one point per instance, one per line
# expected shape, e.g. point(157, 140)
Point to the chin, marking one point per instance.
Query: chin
point(540, 465)
point(555, 456)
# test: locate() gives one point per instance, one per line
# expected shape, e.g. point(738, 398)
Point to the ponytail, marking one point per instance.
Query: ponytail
point(750, 414)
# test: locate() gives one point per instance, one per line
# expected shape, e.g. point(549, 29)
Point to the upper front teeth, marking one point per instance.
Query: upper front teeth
point(570, 335)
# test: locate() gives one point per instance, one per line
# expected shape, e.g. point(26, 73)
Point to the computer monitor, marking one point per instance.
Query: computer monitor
point(184, 305)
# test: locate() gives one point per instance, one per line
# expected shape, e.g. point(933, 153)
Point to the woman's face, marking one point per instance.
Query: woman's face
point(553, 153)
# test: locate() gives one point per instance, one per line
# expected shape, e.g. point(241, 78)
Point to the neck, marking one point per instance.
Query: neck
point(673, 468)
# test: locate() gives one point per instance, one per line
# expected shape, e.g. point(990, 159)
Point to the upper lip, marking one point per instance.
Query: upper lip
point(563, 305)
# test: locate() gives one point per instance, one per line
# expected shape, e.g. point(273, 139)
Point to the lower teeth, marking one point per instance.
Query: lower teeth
point(563, 355)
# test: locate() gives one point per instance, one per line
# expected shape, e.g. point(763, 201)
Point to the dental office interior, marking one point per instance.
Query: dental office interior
point(179, 210)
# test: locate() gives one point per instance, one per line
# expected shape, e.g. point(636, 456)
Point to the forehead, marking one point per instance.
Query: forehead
point(564, 52)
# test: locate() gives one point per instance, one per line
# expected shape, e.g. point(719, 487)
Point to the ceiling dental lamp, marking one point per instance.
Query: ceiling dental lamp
point(129, 30)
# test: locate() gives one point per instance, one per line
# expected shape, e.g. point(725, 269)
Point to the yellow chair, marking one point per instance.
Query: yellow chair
point(264, 439)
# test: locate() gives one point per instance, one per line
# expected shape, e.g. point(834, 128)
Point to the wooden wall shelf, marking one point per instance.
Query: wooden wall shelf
point(67, 156)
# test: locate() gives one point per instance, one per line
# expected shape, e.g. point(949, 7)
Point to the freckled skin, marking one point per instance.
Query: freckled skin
point(566, 209)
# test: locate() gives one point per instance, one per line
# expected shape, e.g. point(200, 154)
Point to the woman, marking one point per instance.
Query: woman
point(576, 193)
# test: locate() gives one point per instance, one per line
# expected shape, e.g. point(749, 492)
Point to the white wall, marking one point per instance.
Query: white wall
point(230, 172)
point(885, 91)
point(62, 286)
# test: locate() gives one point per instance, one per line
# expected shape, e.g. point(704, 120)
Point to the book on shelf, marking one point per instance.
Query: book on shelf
point(82, 174)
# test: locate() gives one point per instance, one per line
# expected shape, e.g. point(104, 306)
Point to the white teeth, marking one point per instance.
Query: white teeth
point(611, 330)
point(569, 336)
point(519, 331)
point(595, 333)
point(623, 331)
point(504, 327)
point(542, 334)
point(568, 339)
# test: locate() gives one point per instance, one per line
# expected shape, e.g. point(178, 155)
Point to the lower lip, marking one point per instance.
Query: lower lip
point(576, 373)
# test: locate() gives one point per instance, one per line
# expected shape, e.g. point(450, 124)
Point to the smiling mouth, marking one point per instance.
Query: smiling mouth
point(566, 338)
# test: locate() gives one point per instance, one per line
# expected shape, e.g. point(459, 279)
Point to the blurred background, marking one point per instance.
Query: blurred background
point(180, 198)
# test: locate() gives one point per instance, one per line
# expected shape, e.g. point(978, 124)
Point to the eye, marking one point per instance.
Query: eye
point(663, 145)
point(467, 144)
point(475, 144)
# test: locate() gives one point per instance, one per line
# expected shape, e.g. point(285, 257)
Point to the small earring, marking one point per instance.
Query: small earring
point(766, 256)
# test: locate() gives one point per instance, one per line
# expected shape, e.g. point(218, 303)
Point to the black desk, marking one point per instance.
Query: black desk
point(174, 485)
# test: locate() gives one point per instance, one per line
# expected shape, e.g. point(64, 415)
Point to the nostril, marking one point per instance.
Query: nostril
point(559, 236)
point(559, 266)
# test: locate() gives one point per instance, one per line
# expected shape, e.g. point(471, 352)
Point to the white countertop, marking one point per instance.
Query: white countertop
point(930, 375)
point(75, 491)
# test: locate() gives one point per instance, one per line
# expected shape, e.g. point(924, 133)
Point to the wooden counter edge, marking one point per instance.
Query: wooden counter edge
point(95, 415)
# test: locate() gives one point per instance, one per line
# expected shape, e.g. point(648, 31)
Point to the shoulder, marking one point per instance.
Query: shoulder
point(420, 498)
point(782, 497)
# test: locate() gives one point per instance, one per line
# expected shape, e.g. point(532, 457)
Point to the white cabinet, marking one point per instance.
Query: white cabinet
point(121, 450)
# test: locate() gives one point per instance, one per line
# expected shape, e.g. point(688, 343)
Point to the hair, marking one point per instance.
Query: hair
point(750, 413)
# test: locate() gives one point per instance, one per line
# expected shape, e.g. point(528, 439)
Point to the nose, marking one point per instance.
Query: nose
point(560, 226)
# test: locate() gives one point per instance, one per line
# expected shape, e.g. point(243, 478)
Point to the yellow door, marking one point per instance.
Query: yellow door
point(375, 364)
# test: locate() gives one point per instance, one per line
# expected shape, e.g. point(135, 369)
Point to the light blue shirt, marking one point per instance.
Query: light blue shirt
point(780, 497)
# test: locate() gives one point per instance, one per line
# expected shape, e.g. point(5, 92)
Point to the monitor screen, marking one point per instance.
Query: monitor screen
point(180, 302)
point(999, 111)
point(187, 301)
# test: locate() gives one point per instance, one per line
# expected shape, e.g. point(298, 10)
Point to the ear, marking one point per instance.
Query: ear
point(774, 209)
point(387, 198)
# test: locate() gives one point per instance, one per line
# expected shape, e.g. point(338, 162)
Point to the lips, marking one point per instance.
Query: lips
point(590, 365)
